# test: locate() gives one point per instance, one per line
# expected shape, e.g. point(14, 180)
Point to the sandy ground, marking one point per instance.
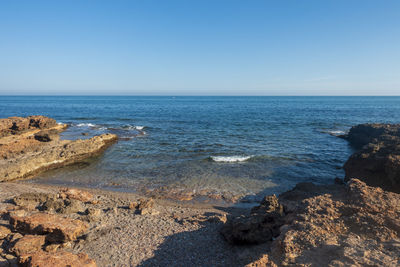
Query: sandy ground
point(177, 234)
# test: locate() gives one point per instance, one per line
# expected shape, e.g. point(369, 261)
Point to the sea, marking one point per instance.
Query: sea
point(244, 146)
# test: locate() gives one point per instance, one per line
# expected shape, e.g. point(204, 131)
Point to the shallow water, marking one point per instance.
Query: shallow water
point(241, 145)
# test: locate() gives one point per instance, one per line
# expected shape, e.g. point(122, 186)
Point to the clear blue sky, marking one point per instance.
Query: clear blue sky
point(200, 47)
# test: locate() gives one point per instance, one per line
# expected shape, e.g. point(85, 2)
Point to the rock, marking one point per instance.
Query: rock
point(57, 228)
point(57, 259)
point(260, 226)
point(340, 225)
point(32, 145)
point(132, 205)
point(28, 244)
point(263, 261)
point(31, 201)
point(4, 232)
point(93, 214)
point(15, 125)
point(66, 206)
point(145, 206)
point(52, 247)
point(77, 194)
point(378, 161)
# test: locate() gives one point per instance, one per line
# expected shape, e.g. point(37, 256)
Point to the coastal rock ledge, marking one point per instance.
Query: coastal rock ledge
point(377, 161)
point(31, 145)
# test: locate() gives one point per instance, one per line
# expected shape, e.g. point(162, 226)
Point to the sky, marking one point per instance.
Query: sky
point(200, 47)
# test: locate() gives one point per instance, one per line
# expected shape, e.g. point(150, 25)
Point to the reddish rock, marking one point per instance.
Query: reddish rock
point(57, 259)
point(28, 244)
point(4, 232)
point(57, 228)
point(77, 194)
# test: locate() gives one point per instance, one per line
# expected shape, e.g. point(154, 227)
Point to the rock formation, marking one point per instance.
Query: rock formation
point(378, 160)
point(332, 225)
point(31, 145)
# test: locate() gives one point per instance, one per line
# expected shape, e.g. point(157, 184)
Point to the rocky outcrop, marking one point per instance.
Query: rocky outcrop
point(36, 238)
point(337, 225)
point(260, 226)
point(31, 145)
point(18, 125)
point(378, 160)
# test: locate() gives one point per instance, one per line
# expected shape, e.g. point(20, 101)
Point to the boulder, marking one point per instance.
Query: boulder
point(73, 193)
point(57, 259)
point(260, 226)
point(28, 244)
point(31, 201)
point(4, 232)
point(58, 229)
point(378, 160)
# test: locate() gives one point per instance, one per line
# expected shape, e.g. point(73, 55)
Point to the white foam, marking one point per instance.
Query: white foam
point(336, 132)
point(230, 158)
point(86, 125)
point(139, 127)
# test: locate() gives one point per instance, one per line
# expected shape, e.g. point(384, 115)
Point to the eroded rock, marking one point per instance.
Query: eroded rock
point(28, 244)
point(260, 226)
point(57, 228)
point(378, 161)
point(57, 259)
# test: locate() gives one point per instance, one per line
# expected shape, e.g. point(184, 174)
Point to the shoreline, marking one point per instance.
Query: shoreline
point(323, 225)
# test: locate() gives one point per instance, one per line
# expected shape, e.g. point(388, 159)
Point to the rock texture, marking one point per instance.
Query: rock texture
point(378, 160)
point(260, 226)
point(31, 145)
point(57, 259)
point(336, 225)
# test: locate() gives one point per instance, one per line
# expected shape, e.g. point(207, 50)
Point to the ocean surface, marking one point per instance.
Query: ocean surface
point(248, 146)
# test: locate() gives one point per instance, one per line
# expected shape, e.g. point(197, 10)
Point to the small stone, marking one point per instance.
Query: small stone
point(52, 247)
point(132, 205)
point(145, 206)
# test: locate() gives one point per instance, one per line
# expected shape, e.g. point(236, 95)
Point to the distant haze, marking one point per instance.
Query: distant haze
point(223, 47)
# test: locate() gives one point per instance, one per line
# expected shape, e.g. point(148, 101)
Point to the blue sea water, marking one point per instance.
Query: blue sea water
point(241, 145)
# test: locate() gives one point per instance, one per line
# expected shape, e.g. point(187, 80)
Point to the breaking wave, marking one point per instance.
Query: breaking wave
point(230, 158)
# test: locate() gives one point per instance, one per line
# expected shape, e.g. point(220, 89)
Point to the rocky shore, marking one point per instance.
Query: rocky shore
point(352, 222)
point(32, 145)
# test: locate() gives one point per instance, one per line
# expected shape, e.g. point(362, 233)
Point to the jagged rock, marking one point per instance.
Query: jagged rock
point(378, 161)
point(31, 145)
point(93, 214)
point(31, 201)
point(14, 125)
point(66, 206)
point(28, 244)
point(77, 194)
point(349, 225)
point(57, 259)
point(57, 228)
point(145, 206)
point(260, 226)
point(4, 232)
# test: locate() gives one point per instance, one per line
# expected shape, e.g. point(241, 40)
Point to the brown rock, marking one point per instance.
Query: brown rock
point(260, 226)
point(378, 161)
point(4, 232)
point(77, 194)
point(57, 259)
point(28, 244)
point(145, 206)
point(31, 145)
point(31, 201)
point(352, 225)
point(57, 228)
